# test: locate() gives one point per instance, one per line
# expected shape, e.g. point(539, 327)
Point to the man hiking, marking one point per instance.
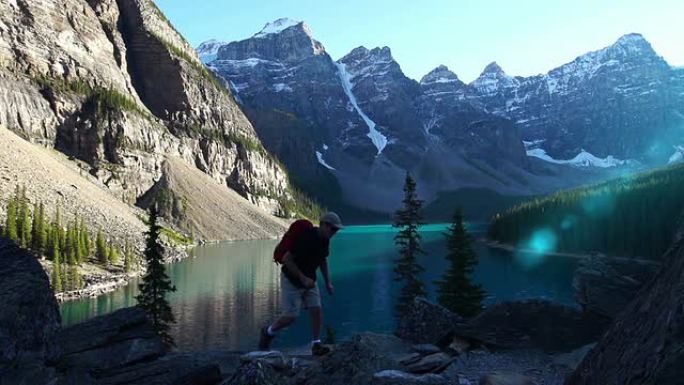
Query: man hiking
point(298, 287)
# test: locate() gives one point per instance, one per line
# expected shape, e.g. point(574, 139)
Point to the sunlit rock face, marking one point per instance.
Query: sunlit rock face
point(112, 83)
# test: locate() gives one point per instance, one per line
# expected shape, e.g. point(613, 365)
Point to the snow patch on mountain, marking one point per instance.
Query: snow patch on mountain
point(322, 161)
point(277, 26)
point(208, 50)
point(583, 159)
point(378, 139)
point(678, 155)
point(280, 87)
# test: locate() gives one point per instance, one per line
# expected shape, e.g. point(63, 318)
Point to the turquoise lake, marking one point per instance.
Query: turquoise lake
point(226, 291)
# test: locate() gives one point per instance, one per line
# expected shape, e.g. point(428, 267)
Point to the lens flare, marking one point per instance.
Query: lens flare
point(537, 247)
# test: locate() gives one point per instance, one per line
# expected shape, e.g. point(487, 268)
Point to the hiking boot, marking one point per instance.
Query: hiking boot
point(318, 349)
point(265, 339)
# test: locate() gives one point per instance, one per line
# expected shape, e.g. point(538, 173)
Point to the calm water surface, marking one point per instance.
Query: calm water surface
point(227, 291)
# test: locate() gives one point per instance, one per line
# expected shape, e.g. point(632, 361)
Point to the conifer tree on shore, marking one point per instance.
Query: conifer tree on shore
point(455, 291)
point(406, 268)
point(156, 284)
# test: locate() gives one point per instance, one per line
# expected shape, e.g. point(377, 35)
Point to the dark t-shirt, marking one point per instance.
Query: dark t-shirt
point(309, 250)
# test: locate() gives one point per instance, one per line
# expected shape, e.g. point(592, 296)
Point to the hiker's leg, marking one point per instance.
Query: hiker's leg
point(312, 301)
point(282, 322)
point(292, 303)
point(316, 322)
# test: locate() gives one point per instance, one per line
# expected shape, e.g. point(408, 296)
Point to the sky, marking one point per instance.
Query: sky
point(525, 37)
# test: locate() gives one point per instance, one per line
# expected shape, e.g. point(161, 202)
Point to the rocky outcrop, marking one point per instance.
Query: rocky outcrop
point(29, 318)
point(606, 286)
point(121, 338)
point(113, 84)
point(643, 344)
point(527, 324)
point(537, 324)
point(428, 323)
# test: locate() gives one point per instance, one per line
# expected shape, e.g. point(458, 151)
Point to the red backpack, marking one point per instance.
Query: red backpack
point(297, 227)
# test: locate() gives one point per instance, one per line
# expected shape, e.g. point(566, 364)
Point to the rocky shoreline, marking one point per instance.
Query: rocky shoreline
point(510, 248)
point(98, 280)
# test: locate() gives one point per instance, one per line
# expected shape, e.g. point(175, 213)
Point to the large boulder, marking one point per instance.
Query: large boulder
point(644, 343)
point(428, 323)
point(356, 361)
point(522, 324)
point(537, 324)
point(606, 286)
point(29, 317)
point(114, 340)
point(172, 369)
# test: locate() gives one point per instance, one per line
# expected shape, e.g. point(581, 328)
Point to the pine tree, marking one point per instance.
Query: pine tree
point(56, 270)
point(156, 284)
point(76, 240)
point(128, 260)
point(83, 241)
point(74, 278)
point(114, 255)
point(101, 248)
point(34, 229)
point(11, 220)
point(455, 291)
point(69, 252)
point(407, 269)
point(24, 220)
point(38, 229)
point(43, 229)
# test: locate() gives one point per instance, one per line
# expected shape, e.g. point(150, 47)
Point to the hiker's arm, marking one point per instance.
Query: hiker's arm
point(326, 277)
point(324, 270)
point(288, 261)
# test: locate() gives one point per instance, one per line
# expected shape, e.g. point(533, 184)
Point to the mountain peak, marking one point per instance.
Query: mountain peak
point(441, 74)
point(382, 52)
point(493, 68)
point(630, 45)
point(632, 38)
point(280, 25)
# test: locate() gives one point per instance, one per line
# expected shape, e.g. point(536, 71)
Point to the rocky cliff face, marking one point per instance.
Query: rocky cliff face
point(112, 83)
point(643, 345)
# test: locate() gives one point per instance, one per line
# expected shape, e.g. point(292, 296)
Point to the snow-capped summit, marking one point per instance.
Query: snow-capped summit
point(632, 39)
point(207, 51)
point(493, 68)
point(281, 41)
point(493, 78)
point(375, 55)
point(441, 74)
point(280, 25)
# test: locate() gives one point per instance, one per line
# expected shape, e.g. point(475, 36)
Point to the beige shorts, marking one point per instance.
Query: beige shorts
point(295, 299)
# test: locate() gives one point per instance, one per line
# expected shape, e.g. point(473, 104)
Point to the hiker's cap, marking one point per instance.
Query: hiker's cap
point(332, 219)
